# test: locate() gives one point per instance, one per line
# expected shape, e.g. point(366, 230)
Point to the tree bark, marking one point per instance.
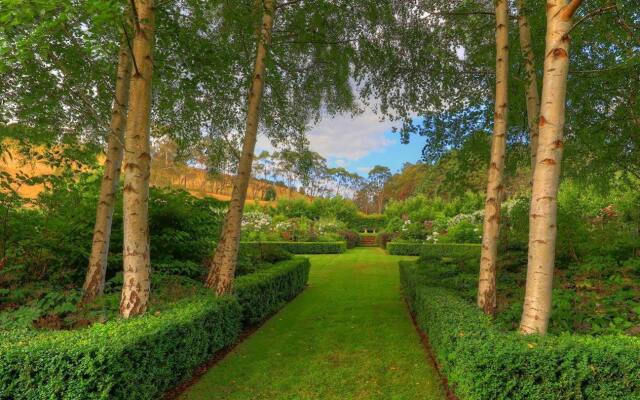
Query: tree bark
point(491, 225)
point(546, 177)
point(531, 81)
point(96, 271)
point(223, 263)
point(135, 291)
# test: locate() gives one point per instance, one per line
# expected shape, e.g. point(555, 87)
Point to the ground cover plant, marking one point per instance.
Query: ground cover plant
point(140, 358)
point(481, 361)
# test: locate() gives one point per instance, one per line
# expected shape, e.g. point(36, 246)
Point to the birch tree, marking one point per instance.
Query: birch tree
point(546, 178)
point(136, 257)
point(495, 187)
point(95, 277)
point(531, 81)
point(223, 263)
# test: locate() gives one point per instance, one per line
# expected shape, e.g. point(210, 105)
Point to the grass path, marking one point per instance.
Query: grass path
point(347, 336)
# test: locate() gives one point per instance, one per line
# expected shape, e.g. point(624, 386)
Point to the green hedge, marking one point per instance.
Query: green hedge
point(427, 250)
point(404, 248)
point(451, 250)
point(481, 362)
point(142, 357)
point(133, 359)
point(297, 247)
point(264, 292)
point(367, 222)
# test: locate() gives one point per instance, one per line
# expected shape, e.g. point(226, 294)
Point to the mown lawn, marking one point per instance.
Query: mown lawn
point(348, 336)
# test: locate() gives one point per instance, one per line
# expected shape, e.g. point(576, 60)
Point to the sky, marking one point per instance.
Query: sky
point(359, 143)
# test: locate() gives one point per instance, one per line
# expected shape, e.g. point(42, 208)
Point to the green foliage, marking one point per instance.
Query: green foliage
point(480, 362)
point(253, 256)
point(264, 292)
point(404, 248)
point(383, 238)
point(450, 250)
point(296, 247)
point(51, 240)
point(126, 359)
point(351, 237)
point(142, 357)
point(367, 222)
point(428, 251)
point(463, 232)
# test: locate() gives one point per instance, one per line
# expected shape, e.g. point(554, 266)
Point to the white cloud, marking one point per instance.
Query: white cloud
point(344, 138)
point(348, 138)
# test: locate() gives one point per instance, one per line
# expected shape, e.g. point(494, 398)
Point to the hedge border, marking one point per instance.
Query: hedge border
point(481, 362)
point(301, 247)
point(142, 357)
point(433, 250)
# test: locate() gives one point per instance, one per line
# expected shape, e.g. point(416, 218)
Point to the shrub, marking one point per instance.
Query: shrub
point(481, 362)
point(252, 256)
point(125, 359)
point(351, 237)
point(382, 238)
point(297, 247)
point(263, 293)
point(434, 250)
point(404, 248)
point(142, 357)
point(450, 250)
point(360, 222)
point(463, 232)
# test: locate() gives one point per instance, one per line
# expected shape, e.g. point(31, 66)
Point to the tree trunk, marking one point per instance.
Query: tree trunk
point(531, 81)
point(491, 226)
point(546, 177)
point(94, 280)
point(135, 291)
point(223, 263)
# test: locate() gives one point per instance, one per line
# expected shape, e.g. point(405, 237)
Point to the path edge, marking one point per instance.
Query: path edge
point(175, 392)
point(430, 354)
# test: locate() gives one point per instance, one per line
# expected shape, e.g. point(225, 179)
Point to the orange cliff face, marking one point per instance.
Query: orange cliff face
point(194, 180)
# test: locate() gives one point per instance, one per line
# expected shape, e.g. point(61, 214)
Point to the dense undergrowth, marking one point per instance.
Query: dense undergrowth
point(600, 295)
point(482, 361)
point(46, 243)
point(141, 357)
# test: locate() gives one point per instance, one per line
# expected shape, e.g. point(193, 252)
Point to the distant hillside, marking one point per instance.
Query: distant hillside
point(194, 180)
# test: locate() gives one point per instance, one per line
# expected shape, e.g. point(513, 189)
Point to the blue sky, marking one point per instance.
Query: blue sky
point(358, 143)
point(391, 153)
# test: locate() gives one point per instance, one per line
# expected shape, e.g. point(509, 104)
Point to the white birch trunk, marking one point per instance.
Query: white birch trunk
point(531, 83)
point(546, 178)
point(223, 263)
point(135, 291)
point(94, 280)
point(491, 226)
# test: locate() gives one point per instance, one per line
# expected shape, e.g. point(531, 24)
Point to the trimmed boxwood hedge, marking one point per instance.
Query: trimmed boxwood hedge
point(428, 250)
point(449, 250)
point(481, 362)
point(264, 292)
point(296, 247)
point(142, 357)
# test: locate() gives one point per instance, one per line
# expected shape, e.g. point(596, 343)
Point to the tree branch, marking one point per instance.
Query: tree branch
point(570, 9)
point(133, 57)
point(590, 15)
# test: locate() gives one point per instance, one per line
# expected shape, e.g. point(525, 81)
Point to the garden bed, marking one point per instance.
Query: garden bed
point(140, 358)
point(482, 362)
point(296, 247)
point(432, 249)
